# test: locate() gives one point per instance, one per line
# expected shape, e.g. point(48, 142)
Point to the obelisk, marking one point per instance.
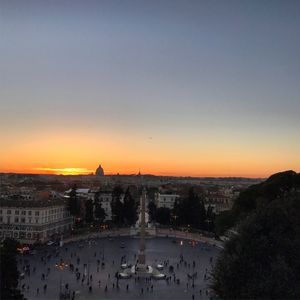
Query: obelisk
point(142, 256)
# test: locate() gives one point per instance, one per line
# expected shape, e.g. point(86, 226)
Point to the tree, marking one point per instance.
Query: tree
point(190, 211)
point(152, 211)
point(89, 211)
point(210, 218)
point(224, 221)
point(9, 273)
point(117, 206)
point(163, 215)
point(99, 211)
point(74, 205)
point(258, 196)
point(262, 261)
point(129, 209)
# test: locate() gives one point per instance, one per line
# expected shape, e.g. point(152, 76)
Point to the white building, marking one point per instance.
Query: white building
point(105, 198)
point(29, 221)
point(165, 200)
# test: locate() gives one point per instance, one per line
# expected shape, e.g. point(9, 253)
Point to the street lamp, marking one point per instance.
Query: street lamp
point(61, 266)
point(88, 272)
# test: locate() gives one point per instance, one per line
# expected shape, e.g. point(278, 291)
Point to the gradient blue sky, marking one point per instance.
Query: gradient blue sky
point(171, 87)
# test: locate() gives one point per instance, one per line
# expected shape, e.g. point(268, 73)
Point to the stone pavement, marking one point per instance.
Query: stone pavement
point(88, 255)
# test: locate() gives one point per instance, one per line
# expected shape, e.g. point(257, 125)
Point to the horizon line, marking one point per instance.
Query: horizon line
point(136, 174)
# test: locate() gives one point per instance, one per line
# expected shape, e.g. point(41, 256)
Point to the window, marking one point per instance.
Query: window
point(8, 211)
point(22, 220)
point(0, 211)
point(8, 220)
point(29, 213)
point(1, 219)
point(36, 220)
point(16, 220)
point(37, 213)
point(16, 212)
point(24, 212)
point(29, 220)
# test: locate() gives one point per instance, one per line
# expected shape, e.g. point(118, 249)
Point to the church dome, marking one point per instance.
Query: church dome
point(100, 171)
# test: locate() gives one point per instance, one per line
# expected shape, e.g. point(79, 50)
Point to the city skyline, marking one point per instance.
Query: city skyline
point(197, 88)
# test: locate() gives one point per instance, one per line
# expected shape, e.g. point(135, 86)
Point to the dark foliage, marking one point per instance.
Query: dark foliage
point(262, 261)
point(99, 210)
point(163, 215)
point(190, 211)
point(258, 196)
point(9, 273)
point(152, 211)
point(89, 211)
point(117, 206)
point(74, 205)
point(129, 209)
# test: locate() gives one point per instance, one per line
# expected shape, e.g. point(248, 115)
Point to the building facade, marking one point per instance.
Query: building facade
point(165, 200)
point(30, 221)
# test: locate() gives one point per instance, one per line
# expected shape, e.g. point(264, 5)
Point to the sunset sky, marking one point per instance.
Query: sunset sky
point(199, 88)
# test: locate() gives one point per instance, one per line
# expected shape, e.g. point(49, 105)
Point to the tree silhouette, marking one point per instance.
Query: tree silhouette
point(152, 211)
point(129, 208)
point(163, 215)
point(74, 205)
point(99, 210)
point(89, 211)
point(258, 196)
point(117, 206)
point(190, 211)
point(262, 261)
point(9, 273)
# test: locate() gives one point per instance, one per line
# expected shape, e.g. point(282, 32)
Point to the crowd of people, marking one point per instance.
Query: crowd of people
point(85, 262)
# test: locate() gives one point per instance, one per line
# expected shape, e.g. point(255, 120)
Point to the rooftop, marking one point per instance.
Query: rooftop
point(31, 203)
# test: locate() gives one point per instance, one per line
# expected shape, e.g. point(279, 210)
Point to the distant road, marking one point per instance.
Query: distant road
point(159, 233)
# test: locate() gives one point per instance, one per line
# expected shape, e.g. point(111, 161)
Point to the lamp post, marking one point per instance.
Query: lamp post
point(103, 251)
point(61, 266)
point(88, 272)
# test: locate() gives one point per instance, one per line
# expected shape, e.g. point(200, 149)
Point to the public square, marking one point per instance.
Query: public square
point(98, 260)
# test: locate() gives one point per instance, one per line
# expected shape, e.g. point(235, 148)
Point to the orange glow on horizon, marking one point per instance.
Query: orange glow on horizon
point(86, 171)
point(74, 152)
point(64, 171)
